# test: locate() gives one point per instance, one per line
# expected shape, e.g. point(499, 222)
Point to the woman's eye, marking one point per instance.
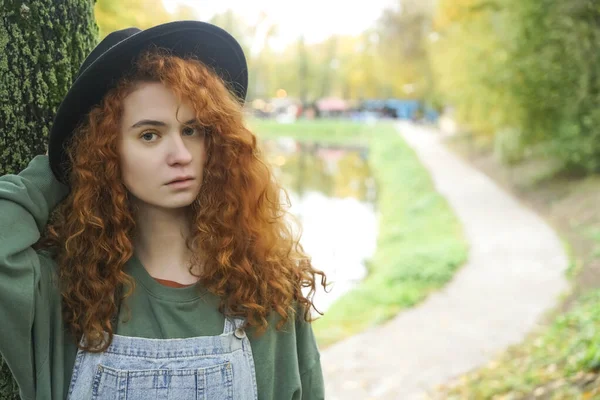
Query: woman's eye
point(146, 134)
point(190, 130)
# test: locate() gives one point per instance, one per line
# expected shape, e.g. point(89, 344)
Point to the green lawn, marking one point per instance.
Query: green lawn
point(330, 131)
point(420, 243)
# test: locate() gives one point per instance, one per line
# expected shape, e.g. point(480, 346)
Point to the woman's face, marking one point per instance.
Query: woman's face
point(156, 147)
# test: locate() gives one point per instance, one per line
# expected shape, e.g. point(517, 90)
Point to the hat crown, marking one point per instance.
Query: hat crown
point(112, 39)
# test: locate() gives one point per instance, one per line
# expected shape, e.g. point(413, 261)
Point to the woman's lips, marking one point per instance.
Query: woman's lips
point(184, 183)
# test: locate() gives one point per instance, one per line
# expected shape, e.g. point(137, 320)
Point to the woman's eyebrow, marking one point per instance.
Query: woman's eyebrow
point(190, 122)
point(150, 122)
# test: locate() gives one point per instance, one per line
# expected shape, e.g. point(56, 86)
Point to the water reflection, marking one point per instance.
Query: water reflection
point(333, 196)
point(334, 170)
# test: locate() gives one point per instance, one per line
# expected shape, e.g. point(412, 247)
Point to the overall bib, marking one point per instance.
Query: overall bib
point(206, 367)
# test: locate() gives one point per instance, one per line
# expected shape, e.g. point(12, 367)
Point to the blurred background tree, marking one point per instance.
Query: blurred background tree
point(522, 75)
point(112, 15)
point(403, 31)
point(528, 70)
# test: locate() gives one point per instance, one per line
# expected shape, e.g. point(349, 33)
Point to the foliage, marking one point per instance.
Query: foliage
point(112, 15)
point(532, 66)
point(386, 60)
point(403, 33)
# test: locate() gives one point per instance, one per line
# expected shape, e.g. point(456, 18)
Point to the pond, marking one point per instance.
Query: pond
point(333, 196)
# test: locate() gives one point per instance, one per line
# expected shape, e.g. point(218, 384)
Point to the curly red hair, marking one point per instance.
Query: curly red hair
point(250, 256)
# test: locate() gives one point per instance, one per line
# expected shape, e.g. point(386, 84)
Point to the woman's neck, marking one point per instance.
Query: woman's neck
point(160, 243)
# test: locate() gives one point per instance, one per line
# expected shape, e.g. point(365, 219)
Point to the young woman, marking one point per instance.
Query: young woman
point(147, 255)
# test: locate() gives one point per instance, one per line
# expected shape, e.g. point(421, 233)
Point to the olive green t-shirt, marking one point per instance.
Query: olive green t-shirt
point(40, 352)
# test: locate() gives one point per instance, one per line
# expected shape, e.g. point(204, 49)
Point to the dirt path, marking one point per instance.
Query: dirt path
point(515, 273)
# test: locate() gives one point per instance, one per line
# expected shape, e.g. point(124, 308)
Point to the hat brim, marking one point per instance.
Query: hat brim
point(208, 43)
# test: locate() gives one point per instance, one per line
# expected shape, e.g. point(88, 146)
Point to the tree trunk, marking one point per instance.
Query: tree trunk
point(42, 45)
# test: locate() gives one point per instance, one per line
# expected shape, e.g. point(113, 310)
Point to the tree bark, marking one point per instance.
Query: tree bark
point(42, 45)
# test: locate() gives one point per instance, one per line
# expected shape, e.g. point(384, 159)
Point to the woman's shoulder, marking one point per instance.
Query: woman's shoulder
point(296, 322)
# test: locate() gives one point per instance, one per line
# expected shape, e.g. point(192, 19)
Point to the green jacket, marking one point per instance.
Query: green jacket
point(39, 349)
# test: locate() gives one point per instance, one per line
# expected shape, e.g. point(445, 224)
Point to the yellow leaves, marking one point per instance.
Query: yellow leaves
point(492, 365)
point(113, 15)
point(449, 12)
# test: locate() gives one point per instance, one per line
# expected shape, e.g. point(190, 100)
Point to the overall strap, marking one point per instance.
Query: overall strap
point(115, 317)
point(233, 323)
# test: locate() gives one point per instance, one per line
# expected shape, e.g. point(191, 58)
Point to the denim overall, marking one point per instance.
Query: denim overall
point(205, 367)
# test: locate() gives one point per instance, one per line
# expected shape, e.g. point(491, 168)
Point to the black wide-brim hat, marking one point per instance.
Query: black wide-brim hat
point(114, 56)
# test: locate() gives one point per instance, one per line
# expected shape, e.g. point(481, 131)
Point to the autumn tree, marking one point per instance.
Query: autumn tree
point(525, 74)
point(112, 15)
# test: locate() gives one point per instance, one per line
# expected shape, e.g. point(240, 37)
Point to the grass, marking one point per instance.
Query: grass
point(420, 244)
point(329, 131)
